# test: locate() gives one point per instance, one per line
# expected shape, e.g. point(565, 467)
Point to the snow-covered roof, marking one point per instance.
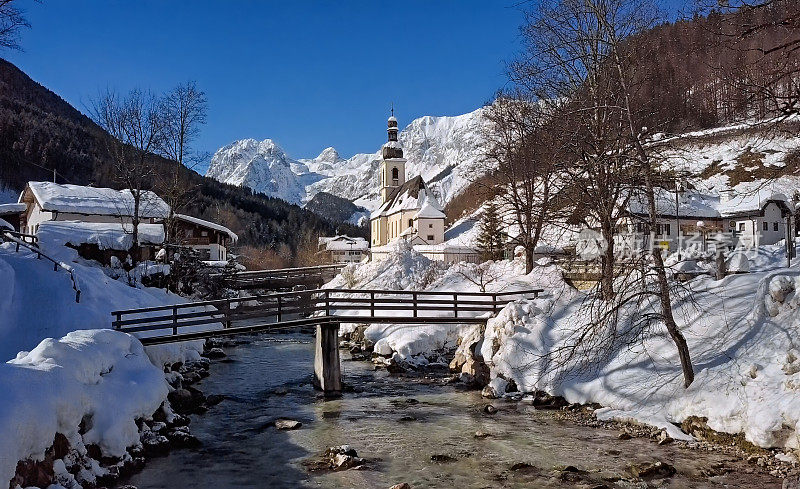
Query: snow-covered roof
point(393, 144)
point(106, 235)
point(689, 204)
point(207, 224)
point(78, 199)
point(751, 202)
point(344, 243)
point(412, 195)
point(698, 205)
point(428, 211)
point(15, 208)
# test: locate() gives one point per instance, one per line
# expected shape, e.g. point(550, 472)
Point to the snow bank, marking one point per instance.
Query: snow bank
point(37, 302)
point(405, 269)
point(740, 332)
point(101, 377)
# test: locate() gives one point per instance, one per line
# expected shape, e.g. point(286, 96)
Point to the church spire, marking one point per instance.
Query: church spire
point(393, 148)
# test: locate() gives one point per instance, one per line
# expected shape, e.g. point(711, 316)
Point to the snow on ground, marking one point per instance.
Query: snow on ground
point(741, 333)
point(101, 377)
point(37, 302)
point(745, 358)
point(91, 372)
point(405, 269)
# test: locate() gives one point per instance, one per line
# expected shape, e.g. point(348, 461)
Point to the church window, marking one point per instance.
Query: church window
point(430, 237)
point(410, 222)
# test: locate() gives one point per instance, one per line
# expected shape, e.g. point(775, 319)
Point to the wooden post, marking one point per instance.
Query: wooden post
point(494, 303)
point(174, 319)
point(327, 368)
point(279, 309)
point(414, 295)
point(455, 305)
point(119, 319)
point(227, 313)
point(327, 302)
point(372, 304)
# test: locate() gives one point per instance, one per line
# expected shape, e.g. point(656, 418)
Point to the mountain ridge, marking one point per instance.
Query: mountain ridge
point(445, 150)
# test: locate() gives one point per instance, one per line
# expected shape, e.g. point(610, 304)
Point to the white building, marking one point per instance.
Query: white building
point(343, 249)
point(97, 221)
point(692, 219)
point(408, 209)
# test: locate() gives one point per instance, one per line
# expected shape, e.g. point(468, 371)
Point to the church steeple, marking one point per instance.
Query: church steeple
point(392, 148)
point(393, 166)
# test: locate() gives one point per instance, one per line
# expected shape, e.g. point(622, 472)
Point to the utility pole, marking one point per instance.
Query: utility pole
point(54, 175)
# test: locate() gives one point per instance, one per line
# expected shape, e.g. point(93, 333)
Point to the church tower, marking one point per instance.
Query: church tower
point(393, 166)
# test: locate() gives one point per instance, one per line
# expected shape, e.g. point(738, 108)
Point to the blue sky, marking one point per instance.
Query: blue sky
point(308, 74)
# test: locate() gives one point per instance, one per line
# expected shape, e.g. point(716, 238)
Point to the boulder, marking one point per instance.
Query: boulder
point(287, 424)
point(652, 470)
point(495, 389)
point(215, 353)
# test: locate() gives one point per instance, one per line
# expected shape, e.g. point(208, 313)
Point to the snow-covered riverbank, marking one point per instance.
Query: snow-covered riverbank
point(68, 375)
point(741, 333)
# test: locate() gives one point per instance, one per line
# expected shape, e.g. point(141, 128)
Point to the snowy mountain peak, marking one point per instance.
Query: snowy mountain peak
point(328, 155)
point(444, 150)
point(260, 165)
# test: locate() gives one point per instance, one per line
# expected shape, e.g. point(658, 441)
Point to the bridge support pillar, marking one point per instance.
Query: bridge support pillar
point(327, 367)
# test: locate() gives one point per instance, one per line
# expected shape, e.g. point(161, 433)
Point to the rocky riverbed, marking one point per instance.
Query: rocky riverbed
point(421, 429)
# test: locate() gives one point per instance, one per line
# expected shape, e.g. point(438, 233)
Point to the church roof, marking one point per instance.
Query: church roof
point(412, 195)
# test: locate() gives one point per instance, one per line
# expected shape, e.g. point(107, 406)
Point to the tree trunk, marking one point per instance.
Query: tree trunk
point(669, 320)
point(607, 264)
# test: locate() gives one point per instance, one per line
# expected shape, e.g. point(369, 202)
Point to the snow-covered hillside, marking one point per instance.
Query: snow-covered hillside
point(446, 151)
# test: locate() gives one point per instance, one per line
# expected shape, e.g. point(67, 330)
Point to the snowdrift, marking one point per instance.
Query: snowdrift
point(101, 377)
point(741, 333)
point(37, 302)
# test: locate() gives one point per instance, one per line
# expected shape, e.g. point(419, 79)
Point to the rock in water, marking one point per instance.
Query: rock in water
point(287, 424)
point(654, 470)
point(215, 353)
point(402, 485)
point(495, 389)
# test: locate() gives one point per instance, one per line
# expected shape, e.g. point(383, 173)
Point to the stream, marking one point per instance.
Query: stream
point(398, 424)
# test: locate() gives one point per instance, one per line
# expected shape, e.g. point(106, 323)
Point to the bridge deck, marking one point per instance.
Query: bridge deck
point(207, 319)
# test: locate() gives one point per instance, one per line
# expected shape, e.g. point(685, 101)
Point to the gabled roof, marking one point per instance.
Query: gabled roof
point(342, 242)
point(94, 201)
point(413, 194)
point(207, 224)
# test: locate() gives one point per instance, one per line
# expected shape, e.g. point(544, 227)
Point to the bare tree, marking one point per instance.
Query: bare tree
point(134, 122)
point(12, 21)
point(523, 169)
point(578, 64)
point(564, 67)
point(182, 112)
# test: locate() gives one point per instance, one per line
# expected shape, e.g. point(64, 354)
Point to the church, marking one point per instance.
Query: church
point(409, 210)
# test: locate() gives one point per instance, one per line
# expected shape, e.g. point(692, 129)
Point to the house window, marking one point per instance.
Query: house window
point(766, 226)
point(430, 225)
point(410, 222)
point(430, 237)
point(774, 226)
point(741, 227)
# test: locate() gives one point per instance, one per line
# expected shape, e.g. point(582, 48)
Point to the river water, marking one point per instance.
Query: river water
point(398, 424)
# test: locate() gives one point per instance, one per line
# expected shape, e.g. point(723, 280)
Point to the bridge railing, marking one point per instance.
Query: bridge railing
point(296, 308)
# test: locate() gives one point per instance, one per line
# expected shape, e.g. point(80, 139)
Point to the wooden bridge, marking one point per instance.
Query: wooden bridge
point(323, 308)
point(283, 278)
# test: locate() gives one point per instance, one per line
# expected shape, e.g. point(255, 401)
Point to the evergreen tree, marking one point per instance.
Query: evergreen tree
point(490, 237)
